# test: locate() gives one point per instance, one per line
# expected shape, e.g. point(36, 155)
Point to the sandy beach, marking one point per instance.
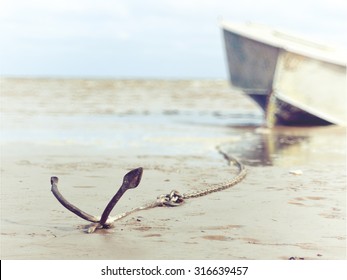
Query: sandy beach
point(89, 133)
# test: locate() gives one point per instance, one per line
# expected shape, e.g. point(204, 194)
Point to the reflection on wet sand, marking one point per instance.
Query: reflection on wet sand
point(283, 146)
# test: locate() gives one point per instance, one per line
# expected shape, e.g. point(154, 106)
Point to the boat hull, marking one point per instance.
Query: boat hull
point(291, 87)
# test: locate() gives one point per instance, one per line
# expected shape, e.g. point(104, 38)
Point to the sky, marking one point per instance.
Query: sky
point(178, 39)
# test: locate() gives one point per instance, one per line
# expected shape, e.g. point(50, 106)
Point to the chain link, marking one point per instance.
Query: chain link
point(174, 198)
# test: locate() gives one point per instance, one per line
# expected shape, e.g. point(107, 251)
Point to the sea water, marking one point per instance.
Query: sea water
point(158, 116)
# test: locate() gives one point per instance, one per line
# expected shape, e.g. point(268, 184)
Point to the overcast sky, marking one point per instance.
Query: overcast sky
point(145, 39)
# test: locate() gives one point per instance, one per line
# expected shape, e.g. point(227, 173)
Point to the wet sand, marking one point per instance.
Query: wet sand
point(291, 204)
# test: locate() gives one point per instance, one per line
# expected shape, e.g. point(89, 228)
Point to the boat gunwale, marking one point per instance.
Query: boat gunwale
point(325, 53)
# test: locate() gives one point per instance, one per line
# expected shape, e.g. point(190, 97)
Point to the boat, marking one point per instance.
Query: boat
point(295, 81)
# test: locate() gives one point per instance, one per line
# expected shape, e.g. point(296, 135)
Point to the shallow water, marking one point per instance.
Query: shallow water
point(154, 114)
point(120, 113)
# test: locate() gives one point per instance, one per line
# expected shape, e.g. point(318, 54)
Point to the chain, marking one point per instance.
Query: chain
point(174, 198)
